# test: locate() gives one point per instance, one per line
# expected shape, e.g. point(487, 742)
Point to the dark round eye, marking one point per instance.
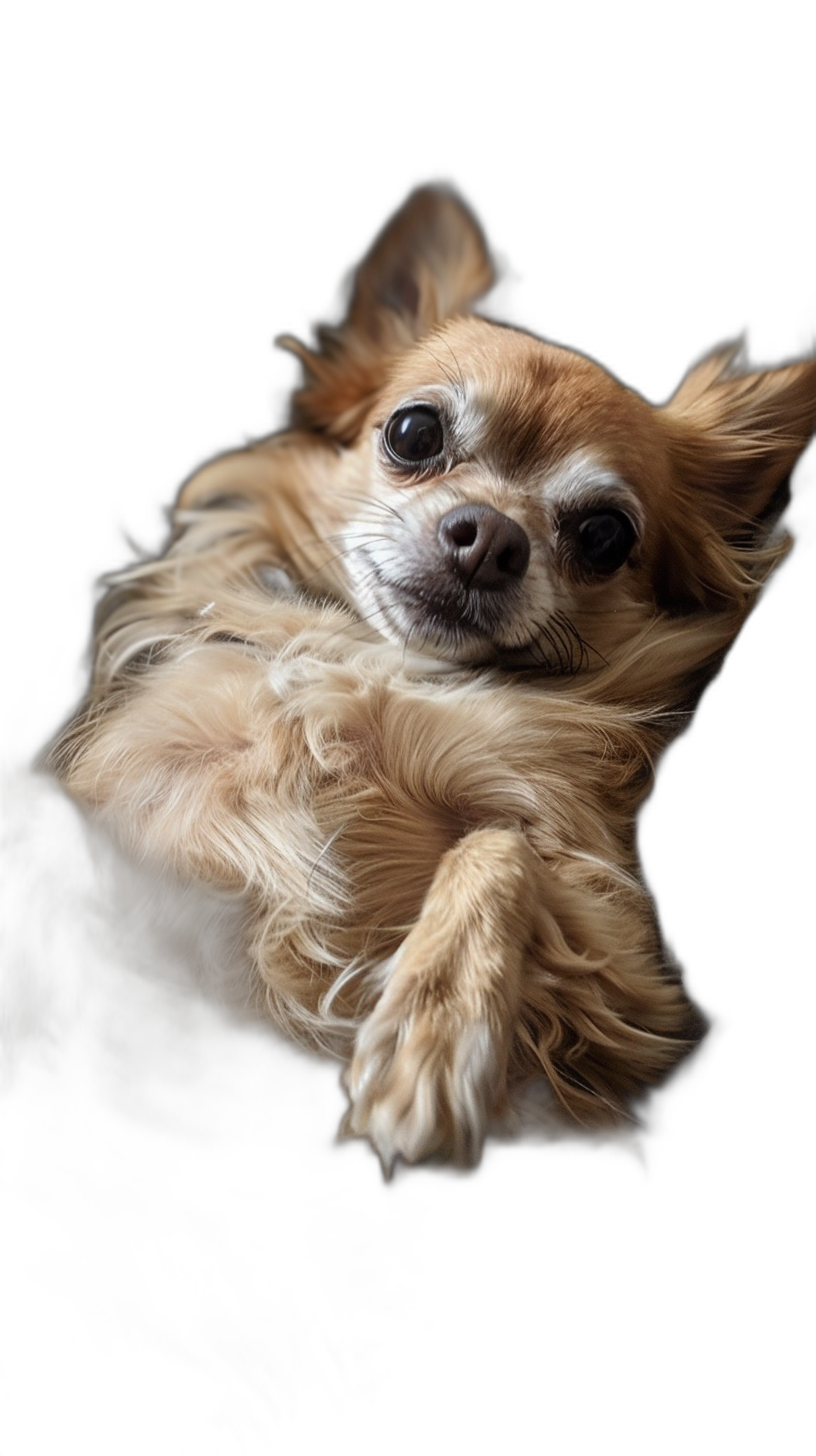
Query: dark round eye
point(604, 541)
point(414, 435)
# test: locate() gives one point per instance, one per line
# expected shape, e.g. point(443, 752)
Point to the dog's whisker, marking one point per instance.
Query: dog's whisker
point(587, 650)
point(457, 366)
point(563, 646)
point(537, 646)
point(451, 378)
point(549, 636)
point(374, 502)
point(360, 544)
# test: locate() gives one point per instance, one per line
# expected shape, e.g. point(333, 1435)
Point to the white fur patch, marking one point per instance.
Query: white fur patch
point(582, 480)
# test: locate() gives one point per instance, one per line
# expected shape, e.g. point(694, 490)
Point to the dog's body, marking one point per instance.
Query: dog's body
point(402, 674)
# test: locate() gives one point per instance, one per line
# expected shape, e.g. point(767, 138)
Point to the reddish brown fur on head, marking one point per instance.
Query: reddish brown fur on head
point(543, 438)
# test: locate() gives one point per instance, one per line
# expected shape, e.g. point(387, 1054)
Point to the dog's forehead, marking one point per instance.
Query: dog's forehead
point(524, 403)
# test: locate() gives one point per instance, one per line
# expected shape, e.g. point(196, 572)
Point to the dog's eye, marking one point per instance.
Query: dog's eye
point(604, 541)
point(414, 435)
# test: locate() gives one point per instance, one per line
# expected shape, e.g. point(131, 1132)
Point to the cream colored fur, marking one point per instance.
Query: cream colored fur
point(430, 826)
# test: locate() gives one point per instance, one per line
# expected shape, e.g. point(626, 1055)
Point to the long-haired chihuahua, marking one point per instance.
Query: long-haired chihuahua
point(400, 678)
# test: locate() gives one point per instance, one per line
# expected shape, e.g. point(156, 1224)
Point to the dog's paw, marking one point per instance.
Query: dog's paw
point(423, 1080)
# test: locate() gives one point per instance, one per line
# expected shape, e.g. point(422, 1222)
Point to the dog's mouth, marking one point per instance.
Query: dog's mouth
point(445, 622)
point(474, 629)
point(450, 609)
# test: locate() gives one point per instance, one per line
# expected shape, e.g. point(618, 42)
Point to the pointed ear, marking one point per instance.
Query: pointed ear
point(428, 263)
point(736, 436)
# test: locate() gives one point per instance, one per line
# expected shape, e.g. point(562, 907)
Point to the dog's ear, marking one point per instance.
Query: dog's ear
point(429, 262)
point(736, 436)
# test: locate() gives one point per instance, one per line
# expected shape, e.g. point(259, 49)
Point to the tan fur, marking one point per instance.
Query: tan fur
point(430, 824)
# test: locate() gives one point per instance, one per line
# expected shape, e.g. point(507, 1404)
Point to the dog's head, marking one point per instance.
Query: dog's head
point(508, 501)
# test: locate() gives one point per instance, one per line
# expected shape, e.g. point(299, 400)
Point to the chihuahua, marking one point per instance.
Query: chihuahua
point(401, 676)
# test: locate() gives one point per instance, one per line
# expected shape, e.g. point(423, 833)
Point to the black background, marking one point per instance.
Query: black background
point(156, 268)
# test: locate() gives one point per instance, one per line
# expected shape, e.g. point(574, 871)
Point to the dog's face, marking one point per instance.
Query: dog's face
point(510, 502)
point(507, 513)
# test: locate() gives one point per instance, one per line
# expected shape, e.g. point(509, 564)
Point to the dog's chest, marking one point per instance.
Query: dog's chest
point(289, 770)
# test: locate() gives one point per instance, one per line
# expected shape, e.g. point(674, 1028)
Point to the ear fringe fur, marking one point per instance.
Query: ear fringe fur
point(429, 263)
point(735, 435)
point(730, 424)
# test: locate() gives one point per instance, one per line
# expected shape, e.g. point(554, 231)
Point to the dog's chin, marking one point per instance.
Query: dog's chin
point(439, 635)
point(440, 628)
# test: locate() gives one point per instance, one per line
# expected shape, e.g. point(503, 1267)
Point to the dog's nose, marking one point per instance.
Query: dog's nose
point(486, 549)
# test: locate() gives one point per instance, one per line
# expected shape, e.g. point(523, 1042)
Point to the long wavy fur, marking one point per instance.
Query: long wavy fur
point(436, 855)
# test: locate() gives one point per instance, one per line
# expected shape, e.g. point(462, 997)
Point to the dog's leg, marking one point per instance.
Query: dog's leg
point(430, 1063)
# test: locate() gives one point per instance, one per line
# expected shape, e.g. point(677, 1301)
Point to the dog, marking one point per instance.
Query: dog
point(401, 676)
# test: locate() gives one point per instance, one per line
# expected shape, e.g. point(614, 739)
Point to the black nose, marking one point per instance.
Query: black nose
point(486, 549)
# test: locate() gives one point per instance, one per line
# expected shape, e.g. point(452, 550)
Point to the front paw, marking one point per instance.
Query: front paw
point(424, 1079)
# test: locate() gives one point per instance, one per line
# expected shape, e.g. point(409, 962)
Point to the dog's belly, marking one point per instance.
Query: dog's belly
point(274, 823)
